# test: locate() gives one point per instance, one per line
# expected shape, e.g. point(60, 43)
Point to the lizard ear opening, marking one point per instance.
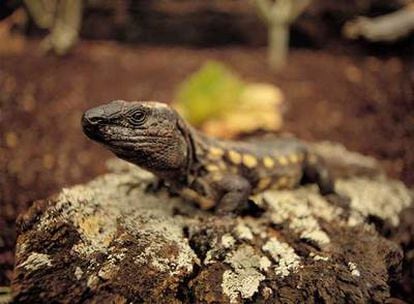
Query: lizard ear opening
point(186, 133)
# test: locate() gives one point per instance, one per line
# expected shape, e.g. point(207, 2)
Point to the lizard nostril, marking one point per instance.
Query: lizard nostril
point(92, 117)
point(95, 120)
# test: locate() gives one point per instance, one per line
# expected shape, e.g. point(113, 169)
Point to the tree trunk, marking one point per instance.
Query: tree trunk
point(278, 45)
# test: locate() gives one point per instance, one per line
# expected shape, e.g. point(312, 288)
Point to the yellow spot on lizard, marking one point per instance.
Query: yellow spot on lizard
point(215, 152)
point(217, 177)
point(235, 157)
point(283, 160)
point(264, 183)
point(268, 162)
point(249, 161)
point(294, 158)
point(212, 168)
point(283, 182)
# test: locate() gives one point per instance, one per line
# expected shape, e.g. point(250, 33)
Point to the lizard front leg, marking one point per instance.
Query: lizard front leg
point(224, 193)
point(234, 192)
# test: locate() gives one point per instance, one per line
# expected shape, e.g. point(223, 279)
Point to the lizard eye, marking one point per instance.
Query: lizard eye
point(137, 118)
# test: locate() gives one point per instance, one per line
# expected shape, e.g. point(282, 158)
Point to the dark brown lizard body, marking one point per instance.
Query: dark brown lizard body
point(213, 173)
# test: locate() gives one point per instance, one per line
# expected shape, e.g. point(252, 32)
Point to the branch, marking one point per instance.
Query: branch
point(298, 7)
point(280, 11)
point(42, 12)
point(263, 9)
point(389, 27)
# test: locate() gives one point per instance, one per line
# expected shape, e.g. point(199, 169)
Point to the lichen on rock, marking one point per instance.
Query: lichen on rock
point(35, 261)
point(384, 199)
point(113, 240)
point(284, 255)
point(244, 278)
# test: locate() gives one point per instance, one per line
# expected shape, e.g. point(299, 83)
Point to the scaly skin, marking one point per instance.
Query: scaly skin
point(214, 173)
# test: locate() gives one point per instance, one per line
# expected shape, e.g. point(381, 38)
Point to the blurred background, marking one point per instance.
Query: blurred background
point(323, 70)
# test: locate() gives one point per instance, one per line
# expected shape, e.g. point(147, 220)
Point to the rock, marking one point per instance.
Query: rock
point(113, 241)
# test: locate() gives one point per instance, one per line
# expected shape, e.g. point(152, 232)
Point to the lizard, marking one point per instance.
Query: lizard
point(214, 173)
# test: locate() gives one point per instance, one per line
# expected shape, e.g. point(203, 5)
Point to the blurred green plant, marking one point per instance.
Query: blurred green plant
point(217, 101)
point(209, 92)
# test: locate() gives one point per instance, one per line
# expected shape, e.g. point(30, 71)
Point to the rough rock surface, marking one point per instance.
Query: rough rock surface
point(114, 241)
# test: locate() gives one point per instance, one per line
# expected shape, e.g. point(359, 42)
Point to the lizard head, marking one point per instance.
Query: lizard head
point(149, 134)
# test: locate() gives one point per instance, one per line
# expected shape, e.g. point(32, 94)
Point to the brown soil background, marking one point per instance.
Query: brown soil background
point(361, 98)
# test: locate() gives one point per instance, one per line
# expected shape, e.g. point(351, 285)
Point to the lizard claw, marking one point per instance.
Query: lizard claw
point(155, 186)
